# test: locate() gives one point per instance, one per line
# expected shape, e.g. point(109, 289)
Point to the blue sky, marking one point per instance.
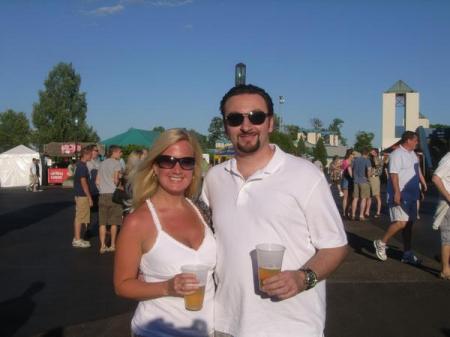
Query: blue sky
point(145, 63)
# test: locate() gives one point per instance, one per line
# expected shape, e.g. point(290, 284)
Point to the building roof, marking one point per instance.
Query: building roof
point(400, 87)
point(133, 137)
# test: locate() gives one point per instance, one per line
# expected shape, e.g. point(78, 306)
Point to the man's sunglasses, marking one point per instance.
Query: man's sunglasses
point(169, 162)
point(237, 118)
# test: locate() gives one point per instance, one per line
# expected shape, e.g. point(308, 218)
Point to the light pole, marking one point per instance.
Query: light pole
point(281, 101)
point(76, 133)
point(239, 74)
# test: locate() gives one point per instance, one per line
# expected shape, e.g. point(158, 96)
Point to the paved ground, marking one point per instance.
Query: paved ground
point(50, 289)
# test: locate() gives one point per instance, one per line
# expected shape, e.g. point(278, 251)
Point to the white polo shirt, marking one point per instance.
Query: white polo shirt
point(443, 171)
point(288, 202)
point(406, 165)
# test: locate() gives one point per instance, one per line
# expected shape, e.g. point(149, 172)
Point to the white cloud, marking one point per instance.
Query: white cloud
point(170, 3)
point(107, 10)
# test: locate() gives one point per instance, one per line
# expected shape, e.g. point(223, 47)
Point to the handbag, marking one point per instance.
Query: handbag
point(119, 196)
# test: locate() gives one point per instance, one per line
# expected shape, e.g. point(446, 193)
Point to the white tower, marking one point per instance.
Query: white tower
point(400, 113)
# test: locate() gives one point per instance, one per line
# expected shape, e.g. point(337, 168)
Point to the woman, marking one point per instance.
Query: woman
point(347, 181)
point(164, 232)
point(374, 182)
point(335, 172)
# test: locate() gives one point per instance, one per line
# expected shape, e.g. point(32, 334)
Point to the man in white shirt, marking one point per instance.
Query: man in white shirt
point(264, 195)
point(403, 192)
point(441, 178)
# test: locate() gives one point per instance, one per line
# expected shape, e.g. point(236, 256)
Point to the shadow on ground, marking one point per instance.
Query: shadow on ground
point(25, 217)
point(17, 311)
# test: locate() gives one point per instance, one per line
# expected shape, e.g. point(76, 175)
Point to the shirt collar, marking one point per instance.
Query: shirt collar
point(278, 158)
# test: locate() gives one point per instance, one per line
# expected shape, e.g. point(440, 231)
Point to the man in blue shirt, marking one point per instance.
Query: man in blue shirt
point(83, 198)
point(361, 189)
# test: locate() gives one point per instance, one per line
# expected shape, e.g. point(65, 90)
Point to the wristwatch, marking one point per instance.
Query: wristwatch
point(310, 278)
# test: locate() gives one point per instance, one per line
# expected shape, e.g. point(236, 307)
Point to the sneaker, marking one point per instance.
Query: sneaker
point(380, 249)
point(410, 258)
point(111, 249)
point(103, 250)
point(80, 243)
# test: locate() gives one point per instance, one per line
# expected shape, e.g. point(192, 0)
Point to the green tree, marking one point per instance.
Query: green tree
point(301, 147)
point(284, 141)
point(439, 126)
point(60, 114)
point(14, 129)
point(292, 131)
point(317, 124)
point(363, 140)
point(202, 139)
point(159, 129)
point(216, 131)
point(336, 126)
point(320, 152)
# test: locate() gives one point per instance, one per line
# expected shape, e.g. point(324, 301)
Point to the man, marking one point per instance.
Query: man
point(110, 213)
point(33, 178)
point(83, 198)
point(264, 195)
point(37, 162)
point(93, 165)
point(361, 188)
point(374, 181)
point(402, 192)
point(441, 178)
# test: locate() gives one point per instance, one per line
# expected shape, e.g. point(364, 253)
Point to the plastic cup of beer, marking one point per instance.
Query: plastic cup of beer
point(269, 257)
point(194, 302)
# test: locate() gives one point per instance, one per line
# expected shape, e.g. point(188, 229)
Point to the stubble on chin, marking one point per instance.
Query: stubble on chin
point(251, 148)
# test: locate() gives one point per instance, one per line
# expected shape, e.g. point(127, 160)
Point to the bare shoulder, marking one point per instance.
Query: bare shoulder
point(139, 219)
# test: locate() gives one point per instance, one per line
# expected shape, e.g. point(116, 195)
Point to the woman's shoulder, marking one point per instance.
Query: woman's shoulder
point(139, 218)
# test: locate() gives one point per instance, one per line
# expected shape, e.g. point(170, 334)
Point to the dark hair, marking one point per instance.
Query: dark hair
point(91, 147)
point(85, 150)
point(365, 151)
point(407, 135)
point(348, 153)
point(247, 89)
point(112, 148)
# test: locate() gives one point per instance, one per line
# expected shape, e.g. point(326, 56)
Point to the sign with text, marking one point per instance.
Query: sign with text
point(57, 175)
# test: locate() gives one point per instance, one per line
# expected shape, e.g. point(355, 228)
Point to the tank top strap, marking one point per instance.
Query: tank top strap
point(155, 218)
point(198, 212)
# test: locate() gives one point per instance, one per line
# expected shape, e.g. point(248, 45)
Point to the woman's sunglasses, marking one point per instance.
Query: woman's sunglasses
point(236, 118)
point(169, 162)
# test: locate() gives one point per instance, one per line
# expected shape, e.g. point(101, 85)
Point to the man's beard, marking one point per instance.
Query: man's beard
point(249, 148)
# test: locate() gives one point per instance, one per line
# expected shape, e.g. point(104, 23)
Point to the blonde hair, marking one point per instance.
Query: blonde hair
point(144, 180)
point(133, 161)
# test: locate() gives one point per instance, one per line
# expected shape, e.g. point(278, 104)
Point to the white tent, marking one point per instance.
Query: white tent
point(15, 166)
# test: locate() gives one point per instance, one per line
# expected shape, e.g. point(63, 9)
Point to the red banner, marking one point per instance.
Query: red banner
point(57, 175)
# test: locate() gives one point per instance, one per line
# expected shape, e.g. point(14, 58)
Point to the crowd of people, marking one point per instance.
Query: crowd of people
point(175, 215)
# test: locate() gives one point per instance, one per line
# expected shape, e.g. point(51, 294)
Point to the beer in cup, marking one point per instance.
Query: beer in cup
point(269, 257)
point(194, 302)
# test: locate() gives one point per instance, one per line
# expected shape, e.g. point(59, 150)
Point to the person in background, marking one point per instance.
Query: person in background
point(361, 170)
point(163, 233)
point(110, 213)
point(93, 166)
point(335, 172)
point(374, 181)
point(32, 185)
point(347, 182)
point(83, 198)
point(441, 178)
point(403, 193)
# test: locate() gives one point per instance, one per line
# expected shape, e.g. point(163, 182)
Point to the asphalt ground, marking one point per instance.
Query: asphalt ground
point(48, 288)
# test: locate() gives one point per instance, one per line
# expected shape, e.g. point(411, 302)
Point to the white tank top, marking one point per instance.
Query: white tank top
point(166, 316)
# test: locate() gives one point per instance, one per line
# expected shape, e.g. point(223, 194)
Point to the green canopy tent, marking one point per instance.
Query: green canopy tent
point(133, 137)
